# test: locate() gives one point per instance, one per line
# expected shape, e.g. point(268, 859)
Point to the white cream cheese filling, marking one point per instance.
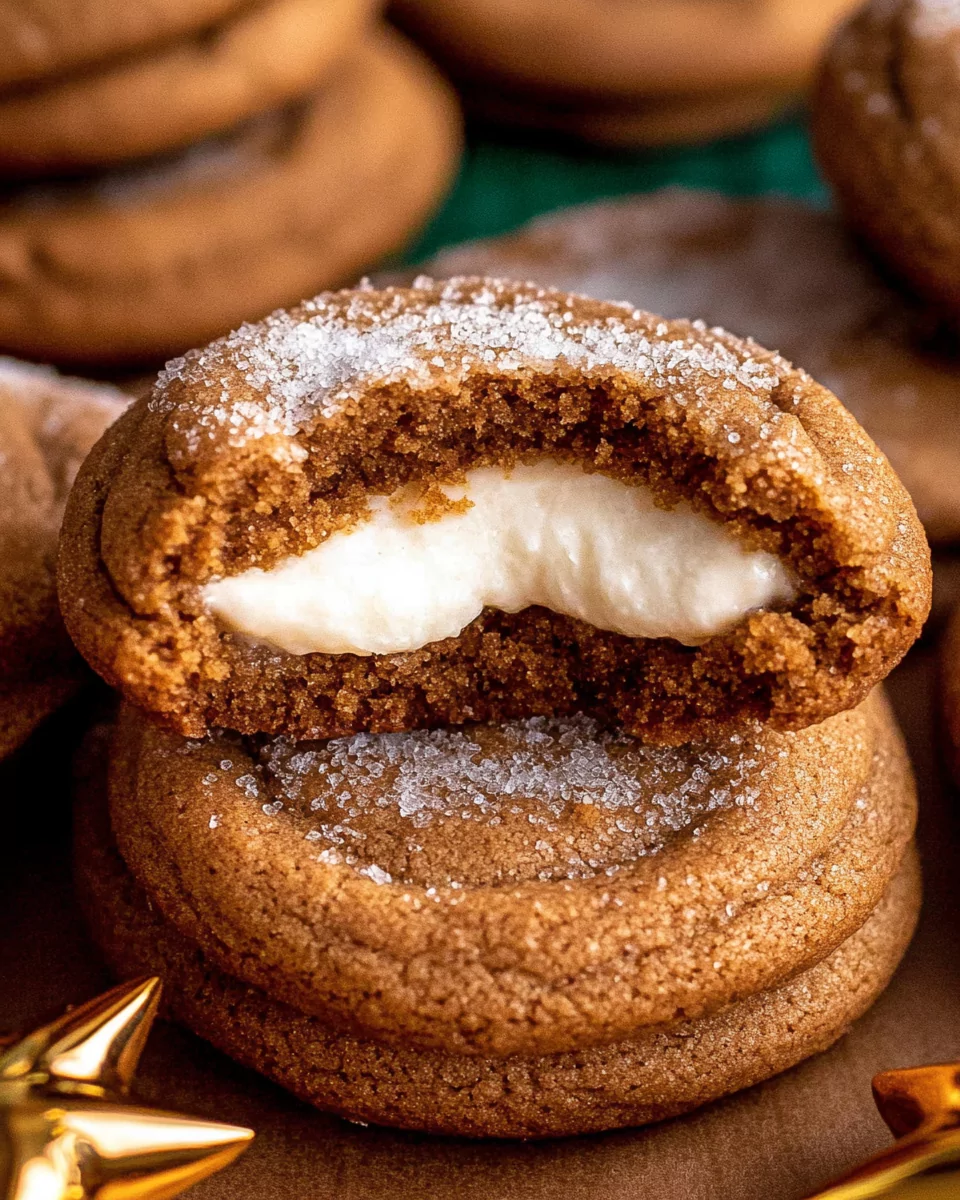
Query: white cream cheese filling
point(551, 534)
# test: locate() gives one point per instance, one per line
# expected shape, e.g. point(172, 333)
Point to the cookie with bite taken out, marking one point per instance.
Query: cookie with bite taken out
point(478, 500)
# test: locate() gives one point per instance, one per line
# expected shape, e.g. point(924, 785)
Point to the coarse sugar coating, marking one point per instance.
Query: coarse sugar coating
point(655, 1074)
point(886, 130)
point(522, 889)
point(270, 441)
point(784, 272)
point(49, 423)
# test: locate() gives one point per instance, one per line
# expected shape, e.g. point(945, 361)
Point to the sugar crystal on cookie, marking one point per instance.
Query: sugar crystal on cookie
point(558, 797)
point(307, 364)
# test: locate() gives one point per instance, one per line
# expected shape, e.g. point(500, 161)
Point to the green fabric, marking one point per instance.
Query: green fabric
point(503, 184)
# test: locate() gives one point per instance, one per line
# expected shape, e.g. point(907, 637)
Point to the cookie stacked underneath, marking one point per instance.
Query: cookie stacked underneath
point(169, 173)
point(501, 751)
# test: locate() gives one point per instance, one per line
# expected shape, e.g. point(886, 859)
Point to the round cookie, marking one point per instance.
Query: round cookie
point(252, 453)
point(40, 38)
point(625, 49)
point(653, 121)
point(657, 1074)
point(887, 134)
point(142, 263)
point(49, 423)
point(776, 270)
point(259, 58)
point(532, 888)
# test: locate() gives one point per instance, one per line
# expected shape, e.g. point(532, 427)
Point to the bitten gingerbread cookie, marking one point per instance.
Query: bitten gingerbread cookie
point(886, 128)
point(48, 425)
point(259, 58)
point(143, 262)
point(779, 271)
point(526, 930)
point(478, 500)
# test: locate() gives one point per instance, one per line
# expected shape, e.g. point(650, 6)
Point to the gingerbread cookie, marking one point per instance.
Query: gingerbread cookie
point(260, 57)
point(532, 888)
point(144, 262)
point(49, 423)
point(653, 1075)
point(886, 129)
point(653, 121)
point(384, 510)
point(40, 38)
point(782, 272)
point(672, 47)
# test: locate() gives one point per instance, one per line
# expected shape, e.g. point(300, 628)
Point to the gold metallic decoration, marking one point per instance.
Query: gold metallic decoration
point(68, 1133)
point(922, 1107)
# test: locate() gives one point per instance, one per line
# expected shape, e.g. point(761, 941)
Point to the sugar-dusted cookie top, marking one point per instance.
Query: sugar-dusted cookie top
point(784, 272)
point(525, 888)
point(482, 500)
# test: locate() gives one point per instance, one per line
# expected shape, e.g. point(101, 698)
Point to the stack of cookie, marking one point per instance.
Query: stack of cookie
point(173, 171)
point(626, 74)
point(501, 750)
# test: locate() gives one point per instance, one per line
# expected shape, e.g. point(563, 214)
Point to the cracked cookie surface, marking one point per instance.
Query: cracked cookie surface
point(266, 443)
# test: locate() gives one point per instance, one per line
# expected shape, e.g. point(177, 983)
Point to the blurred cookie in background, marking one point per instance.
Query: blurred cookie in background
point(621, 125)
point(258, 58)
point(141, 262)
point(887, 134)
point(781, 272)
point(950, 693)
point(49, 423)
point(591, 69)
point(39, 38)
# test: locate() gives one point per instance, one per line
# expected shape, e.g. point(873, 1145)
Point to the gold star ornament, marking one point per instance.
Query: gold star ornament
point(922, 1107)
point(67, 1131)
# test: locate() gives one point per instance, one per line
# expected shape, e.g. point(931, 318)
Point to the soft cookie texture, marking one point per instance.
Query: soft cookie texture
point(48, 425)
point(143, 262)
point(269, 441)
point(533, 888)
point(782, 272)
point(887, 131)
point(657, 1073)
point(261, 57)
